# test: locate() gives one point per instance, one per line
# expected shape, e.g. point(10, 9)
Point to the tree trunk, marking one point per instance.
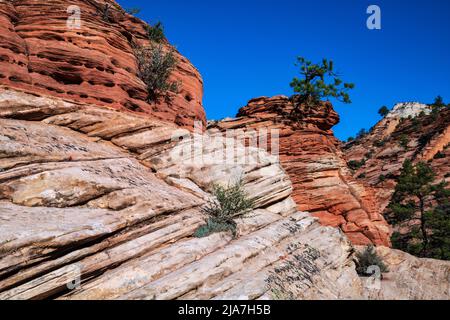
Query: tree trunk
point(423, 227)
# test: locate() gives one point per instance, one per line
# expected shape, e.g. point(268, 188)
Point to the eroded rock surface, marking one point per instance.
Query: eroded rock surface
point(92, 64)
point(311, 155)
point(94, 204)
point(409, 131)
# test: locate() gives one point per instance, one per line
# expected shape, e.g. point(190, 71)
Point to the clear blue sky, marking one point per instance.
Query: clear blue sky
point(247, 48)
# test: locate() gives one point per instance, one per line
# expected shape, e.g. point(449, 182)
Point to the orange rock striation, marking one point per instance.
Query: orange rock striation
point(94, 64)
point(312, 157)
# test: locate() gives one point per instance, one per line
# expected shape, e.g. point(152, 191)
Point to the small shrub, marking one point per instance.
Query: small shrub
point(369, 154)
point(404, 141)
point(439, 155)
point(425, 139)
point(416, 125)
point(230, 203)
point(362, 176)
point(350, 139)
point(379, 143)
point(105, 12)
point(355, 165)
point(382, 178)
point(155, 33)
point(133, 11)
point(369, 258)
point(154, 68)
point(361, 134)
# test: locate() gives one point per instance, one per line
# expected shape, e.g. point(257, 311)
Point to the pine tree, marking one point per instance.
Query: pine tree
point(425, 207)
point(384, 111)
point(438, 103)
point(319, 81)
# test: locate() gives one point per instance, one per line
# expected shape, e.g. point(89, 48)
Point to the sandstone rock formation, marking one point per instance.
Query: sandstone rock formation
point(311, 155)
point(409, 131)
point(94, 64)
point(410, 278)
point(94, 204)
point(101, 192)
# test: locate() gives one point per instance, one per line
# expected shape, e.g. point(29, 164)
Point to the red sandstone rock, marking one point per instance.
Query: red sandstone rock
point(312, 157)
point(95, 64)
point(428, 140)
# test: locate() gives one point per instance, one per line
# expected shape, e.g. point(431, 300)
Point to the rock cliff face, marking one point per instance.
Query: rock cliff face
point(93, 64)
point(96, 204)
point(409, 131)
point(311, 155)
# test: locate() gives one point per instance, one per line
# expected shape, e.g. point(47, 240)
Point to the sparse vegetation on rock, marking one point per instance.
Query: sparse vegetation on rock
point(133, 11)
point(281, 282)
point(379, 143)
point(155, 66)
point(230, 202)
point(155, 33)
point(404, 141)
point(105, 12)
point(439, 155)
point(367, 260)
point(361, 134)
point(355, 165)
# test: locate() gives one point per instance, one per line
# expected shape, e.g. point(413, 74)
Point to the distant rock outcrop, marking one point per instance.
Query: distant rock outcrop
point(94, 64)
point(409, 131)
point(311, 155)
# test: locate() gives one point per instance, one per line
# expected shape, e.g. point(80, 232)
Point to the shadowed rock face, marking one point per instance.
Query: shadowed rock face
point(426, 138)
point(311, 155)
point(94, 64)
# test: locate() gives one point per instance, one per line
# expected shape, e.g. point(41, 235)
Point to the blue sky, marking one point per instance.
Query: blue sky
point(247, 48)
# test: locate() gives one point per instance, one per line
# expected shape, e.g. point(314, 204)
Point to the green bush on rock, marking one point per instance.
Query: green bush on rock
point(230, 202)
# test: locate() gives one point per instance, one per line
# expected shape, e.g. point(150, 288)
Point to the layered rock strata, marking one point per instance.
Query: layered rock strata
point(409, 131)
point(95, 205)
point(90, 60)
point(312, 157)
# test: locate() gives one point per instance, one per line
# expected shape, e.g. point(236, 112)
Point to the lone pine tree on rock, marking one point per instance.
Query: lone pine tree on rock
point(318, 81)
point(384, 111)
